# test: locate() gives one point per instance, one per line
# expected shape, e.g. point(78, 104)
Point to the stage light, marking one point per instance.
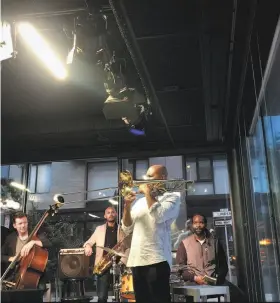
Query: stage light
point(137, 132)
point(41, 49)
point(126, 103)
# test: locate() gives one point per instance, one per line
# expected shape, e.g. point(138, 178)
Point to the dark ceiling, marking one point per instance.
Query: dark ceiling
point(187, 56)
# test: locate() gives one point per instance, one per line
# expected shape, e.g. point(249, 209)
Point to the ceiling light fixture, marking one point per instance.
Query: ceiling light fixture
point(136, 129)
point(41, 49)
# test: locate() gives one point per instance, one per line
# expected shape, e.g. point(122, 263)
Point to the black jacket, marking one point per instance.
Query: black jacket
point(9, 247)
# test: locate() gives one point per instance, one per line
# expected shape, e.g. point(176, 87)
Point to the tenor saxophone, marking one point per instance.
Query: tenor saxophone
point(106, 262)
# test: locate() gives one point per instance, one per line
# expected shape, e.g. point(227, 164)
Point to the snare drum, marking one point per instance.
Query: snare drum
point(127, 290)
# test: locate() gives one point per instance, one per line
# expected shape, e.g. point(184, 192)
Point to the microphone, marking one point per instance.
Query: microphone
point(58, 198)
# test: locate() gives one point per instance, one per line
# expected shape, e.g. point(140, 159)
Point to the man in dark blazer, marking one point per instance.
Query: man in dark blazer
point(16, 242)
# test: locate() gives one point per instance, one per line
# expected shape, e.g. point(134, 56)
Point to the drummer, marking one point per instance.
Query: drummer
point(106, 235)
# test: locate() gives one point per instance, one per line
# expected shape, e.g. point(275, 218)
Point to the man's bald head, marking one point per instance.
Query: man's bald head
point(157, 172)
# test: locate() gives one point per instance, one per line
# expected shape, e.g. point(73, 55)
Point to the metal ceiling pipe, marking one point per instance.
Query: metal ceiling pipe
point(144, 77)
point(230, 60)
point(244, 68)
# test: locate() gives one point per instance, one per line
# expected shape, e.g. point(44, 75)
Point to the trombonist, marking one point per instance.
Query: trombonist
point(150, 218)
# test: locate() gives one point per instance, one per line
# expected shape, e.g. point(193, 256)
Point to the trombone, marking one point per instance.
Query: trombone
point(126, 185)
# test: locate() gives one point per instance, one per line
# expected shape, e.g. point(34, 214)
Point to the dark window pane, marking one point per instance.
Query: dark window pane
point(191, 170)
point(204, 169)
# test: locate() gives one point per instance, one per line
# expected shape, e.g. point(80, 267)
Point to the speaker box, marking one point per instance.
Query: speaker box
point(73, 264)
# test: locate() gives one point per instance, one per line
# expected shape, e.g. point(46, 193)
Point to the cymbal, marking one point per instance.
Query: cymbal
point(112, 251)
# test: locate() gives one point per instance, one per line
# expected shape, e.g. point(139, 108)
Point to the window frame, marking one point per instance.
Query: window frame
point(36, 177)
point(133, 162)
point(88, 163)
point(198, 172)
point(196, 158)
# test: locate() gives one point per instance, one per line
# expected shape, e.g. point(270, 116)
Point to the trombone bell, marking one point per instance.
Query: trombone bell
point(125, 183)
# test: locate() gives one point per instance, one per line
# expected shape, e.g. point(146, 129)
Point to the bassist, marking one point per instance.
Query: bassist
point(17, 242)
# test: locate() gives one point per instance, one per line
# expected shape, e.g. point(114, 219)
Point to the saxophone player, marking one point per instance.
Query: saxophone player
point(106, 235)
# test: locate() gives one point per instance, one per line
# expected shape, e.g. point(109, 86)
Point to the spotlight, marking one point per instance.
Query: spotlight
point(136, 129)
point(127, 103)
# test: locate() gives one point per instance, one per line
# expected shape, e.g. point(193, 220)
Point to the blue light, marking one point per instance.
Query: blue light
point(137, 132)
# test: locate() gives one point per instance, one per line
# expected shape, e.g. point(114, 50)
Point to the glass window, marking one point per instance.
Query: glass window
point(201, 188)
point(43, 178)
point(12, 197)
point(191, 170)
point(16, 173)
point(5, 171)
point(32, 178)
point(270, 110)
point(40, 178)
point(263, 213)
point(127, 165)
point(141, 167)
point(220, 171)
point(204, 169)
point(102, 175)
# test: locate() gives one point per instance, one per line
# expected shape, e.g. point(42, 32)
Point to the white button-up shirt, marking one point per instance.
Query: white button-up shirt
point(151, 239)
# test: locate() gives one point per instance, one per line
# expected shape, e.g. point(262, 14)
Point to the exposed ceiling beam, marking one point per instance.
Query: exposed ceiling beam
point(137, 58)
point(229, 69)
point(238, 97)
point(204, 70)
point(151, 149)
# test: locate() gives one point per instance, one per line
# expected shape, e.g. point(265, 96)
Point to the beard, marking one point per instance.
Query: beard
point(111, 219)
point(199, 231)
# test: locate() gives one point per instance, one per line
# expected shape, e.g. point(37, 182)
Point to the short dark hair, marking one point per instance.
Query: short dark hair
point(201, 215)
point(18, 214)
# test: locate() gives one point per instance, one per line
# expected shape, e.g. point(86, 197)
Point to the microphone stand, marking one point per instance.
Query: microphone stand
point(115, 285)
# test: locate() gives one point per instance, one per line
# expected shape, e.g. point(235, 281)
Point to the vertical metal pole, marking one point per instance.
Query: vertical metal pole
point(25, 182)
point(120, 200)
point(226, 235)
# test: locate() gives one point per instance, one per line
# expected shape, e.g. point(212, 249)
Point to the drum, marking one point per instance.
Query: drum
point(127, 290)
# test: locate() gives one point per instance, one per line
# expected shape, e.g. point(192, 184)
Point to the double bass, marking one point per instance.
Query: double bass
point(29, 269)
